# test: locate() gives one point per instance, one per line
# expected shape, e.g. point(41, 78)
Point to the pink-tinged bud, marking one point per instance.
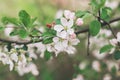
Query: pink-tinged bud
point(73, 36)
point(79, 22)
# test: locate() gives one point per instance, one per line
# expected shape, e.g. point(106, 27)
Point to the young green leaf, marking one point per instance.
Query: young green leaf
point(57, 21)
point(94, 27)
point(47, 40)
point(14, 32)
point(97, 4)
point(6, 20)
point(24, 17)
point(105, 13)
point(49, 33)
point(23, 33)
point(106, 48)
point(47, 55)
point(117, 55)
point(80, 13)
point(35, 32)
point(2, 28)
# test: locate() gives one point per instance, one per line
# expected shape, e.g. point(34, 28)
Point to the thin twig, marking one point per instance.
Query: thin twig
point(19, 42)
point(103, 24)
point(88, 46)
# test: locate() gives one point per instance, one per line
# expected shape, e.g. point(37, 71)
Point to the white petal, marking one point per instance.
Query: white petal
point(75, 41)
point(72, 15)
point(11, 65)
point(64, 22)
point(67, 14)
point(55, 39)
point(58, 28)
point(58, 46)
point(65, 43)
point(14, 57)
point(70, 31)
point(113, 42)
point(70, 50)
point(62, 34)
point(70, 23)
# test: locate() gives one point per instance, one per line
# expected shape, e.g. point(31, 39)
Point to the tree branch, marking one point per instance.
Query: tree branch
point(30, 41)
point(19, 42)
point(103, 24)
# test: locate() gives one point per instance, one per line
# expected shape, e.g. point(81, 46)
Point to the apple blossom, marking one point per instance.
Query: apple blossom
point(114, 41)
point(69, 15)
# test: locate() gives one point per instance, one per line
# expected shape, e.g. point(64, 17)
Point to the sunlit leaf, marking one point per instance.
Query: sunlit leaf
point(94, 27)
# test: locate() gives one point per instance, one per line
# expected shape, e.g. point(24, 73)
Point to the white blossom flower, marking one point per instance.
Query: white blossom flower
point(65, 27)
point(11, 65)
point(69, 15)
point(60, 44)
point(4, 58)
point(96, 66)
point(29, 67)
point(14, 57)
point(107, 77)
point(115, 41)
point(59, 14)
point(79, 77)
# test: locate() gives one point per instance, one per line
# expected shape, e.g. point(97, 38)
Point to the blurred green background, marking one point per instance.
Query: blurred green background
point(64, 66)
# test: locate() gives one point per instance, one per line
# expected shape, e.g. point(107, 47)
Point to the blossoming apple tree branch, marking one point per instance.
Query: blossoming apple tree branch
point(77, 32)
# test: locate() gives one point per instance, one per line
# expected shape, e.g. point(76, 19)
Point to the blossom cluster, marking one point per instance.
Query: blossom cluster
point(65, 37)
point(64, 41)
point(19, 60)
point(103, 36)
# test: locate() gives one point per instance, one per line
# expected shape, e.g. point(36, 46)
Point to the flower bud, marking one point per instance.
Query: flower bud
point(79, 22)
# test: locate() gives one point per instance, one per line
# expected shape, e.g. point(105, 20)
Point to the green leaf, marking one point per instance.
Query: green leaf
point(35, 32)
point(24, 17)
point(33, 20)
point(80, 13)
point(113, 70)
point(14, 33)
point(23, 33)
point(6, 20)
point(49, 33)
point(94, 27)
point(106, 48)
point(25, 47)
point(32, 78)
point(47, 40)
point(57, 21)
point(2, 28)
point(97, 4)
point(47, 55)
point(105, 13)
point(9, 46)
point(117, 55)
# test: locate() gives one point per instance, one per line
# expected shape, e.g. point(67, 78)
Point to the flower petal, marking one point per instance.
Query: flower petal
point(70, 23)
point(67, 14)
point(62, 34)
point(55, 39)
point(64, 22)
point(58, 46)
point(58, 28)
point(70, 31)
